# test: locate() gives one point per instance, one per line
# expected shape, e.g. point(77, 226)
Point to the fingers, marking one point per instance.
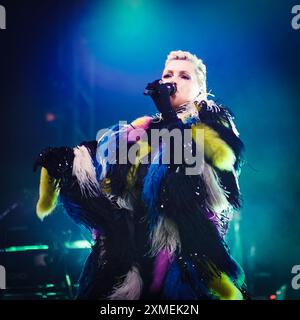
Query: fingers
point(153, 85)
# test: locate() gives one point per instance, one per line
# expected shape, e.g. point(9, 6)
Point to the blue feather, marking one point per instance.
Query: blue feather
point(151, 187)
point(178, 288)
point(174, 286)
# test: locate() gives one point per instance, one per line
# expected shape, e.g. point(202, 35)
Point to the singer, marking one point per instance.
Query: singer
point(159, 232)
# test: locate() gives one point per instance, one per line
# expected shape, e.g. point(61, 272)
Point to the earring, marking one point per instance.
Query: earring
point(196, 100)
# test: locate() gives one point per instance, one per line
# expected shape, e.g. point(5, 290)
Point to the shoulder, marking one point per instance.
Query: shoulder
point(143, 122)
point(122, 129)
point(213, 113)
point(221, 120)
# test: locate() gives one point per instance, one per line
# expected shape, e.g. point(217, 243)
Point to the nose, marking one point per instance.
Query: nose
point(173, 80)
point(170, 80)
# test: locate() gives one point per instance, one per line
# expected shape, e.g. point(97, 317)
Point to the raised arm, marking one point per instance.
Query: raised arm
point(69, 174)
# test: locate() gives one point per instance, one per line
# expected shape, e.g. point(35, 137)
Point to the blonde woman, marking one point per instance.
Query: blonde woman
point(159, 226)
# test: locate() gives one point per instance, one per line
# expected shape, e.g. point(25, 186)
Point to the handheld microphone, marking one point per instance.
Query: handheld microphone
point(149, 91)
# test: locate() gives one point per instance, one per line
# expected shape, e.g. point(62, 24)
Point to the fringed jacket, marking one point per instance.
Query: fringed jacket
point(159, 231)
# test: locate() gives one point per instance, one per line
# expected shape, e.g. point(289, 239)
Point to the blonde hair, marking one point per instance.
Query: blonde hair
point(200, 69)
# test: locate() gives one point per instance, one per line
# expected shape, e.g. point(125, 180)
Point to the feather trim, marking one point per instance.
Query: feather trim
point(142, 122)
point(216, 200)
point(224, 288)
point(131, 287)
point(164, 236)
point(161, 265)
point(48, 195)
point(152, 185)
point(84, 170)
point(123, 202)
point(215, 149)
point(183, 283)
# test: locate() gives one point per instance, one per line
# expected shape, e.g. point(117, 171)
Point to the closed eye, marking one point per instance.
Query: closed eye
point(186, 77)
point(183, 76)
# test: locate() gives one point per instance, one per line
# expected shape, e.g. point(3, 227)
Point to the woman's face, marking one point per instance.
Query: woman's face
point(182, 73)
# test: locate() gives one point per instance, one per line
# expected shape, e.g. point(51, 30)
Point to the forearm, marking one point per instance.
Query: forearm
point(48, 195)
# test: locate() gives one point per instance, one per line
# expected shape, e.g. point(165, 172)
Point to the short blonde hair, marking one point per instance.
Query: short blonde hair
point(200, 67)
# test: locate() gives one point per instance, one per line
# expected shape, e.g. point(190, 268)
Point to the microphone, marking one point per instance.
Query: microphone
point(149, 90)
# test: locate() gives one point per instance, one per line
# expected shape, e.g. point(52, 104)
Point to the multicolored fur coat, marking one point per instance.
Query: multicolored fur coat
point(160, 233)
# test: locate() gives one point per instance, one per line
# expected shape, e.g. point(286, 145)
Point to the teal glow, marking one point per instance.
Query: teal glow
point(79, 244)
point(26, 248)
point(121, 31)
point(68, 280)
point(51, 294)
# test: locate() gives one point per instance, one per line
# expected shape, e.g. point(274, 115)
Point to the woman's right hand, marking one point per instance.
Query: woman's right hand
point(161, 98)
point(57, 161)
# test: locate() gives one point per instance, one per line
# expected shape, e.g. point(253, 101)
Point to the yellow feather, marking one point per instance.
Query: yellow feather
point(215, 149)
point(48, 195)
point(131, 176)
point(144, 149)
point(224, 288)
point(106, 186)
